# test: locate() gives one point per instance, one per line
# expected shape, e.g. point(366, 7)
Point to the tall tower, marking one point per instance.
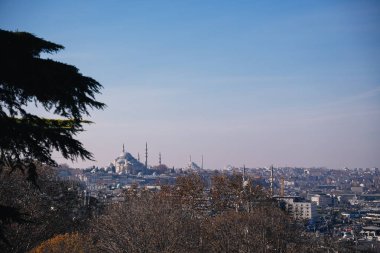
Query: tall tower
point(244, 173)
point(271, 180)
point(138, 157)
point(202, 162)
point(123, 148)
point(159, 158)
point(146, 154)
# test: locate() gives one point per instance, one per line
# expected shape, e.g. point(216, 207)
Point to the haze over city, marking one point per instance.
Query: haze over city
point(292, 83)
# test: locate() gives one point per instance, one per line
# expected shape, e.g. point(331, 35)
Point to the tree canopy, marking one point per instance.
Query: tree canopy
point(59, 88)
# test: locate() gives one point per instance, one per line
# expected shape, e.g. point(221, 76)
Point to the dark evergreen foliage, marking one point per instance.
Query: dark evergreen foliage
point(59, 88)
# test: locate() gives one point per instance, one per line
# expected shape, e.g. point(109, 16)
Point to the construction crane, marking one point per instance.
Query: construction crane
point(282, 189)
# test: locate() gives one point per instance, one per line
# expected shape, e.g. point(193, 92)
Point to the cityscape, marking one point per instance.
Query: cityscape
point(342, 204)
point(208, 126)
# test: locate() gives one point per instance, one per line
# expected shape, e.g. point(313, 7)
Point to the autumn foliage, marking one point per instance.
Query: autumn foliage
point(66, 243)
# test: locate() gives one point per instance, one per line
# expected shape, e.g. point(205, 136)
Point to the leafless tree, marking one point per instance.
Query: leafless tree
point(171, 220)
point(30, 214)
point(147, 222)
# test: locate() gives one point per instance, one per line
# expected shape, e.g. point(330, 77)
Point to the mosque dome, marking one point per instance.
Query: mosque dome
point(123, 155)
point(121, 161)
point(127, 163)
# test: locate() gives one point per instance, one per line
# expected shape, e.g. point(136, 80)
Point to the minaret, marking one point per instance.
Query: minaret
point(159, 158)
point(146, 154)
point(138, 157)
point(202, 163)
point(271, 180)
point(123, 148)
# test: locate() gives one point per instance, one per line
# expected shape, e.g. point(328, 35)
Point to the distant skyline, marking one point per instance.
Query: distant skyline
point(288, 83)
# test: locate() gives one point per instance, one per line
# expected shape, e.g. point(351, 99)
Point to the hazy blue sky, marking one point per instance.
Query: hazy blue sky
point(242, 82)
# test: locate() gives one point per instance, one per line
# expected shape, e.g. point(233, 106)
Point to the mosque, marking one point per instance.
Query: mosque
point(125, 163)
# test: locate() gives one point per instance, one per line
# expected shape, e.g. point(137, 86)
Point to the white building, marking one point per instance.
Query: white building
point(304, 210)
point(300, 210)
point(125, 163)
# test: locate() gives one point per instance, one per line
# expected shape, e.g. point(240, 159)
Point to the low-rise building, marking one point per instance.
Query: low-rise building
point(299, 209)
point(321, 200)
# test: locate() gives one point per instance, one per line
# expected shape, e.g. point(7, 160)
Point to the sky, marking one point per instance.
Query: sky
point(254, 83)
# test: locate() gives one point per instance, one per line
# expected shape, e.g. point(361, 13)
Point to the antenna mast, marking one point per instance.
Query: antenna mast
point(243, 173)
